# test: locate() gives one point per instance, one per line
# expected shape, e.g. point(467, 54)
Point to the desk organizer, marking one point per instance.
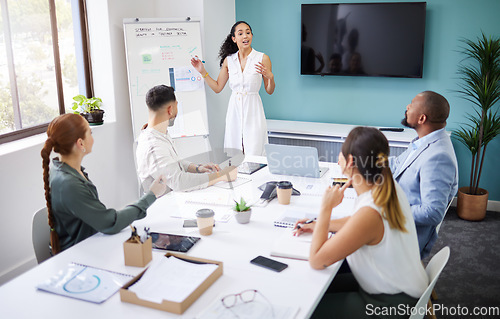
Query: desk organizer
point(170, 306)
point(138, 254)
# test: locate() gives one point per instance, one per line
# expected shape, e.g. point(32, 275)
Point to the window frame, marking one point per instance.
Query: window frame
point(81, 36)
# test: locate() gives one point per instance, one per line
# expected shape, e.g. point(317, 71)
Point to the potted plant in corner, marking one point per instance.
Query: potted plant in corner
point(89, 108)
point(243, 211)
point(480, 84)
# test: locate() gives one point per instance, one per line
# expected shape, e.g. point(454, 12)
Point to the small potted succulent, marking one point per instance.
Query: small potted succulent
point(243, 211)
point(89, 108)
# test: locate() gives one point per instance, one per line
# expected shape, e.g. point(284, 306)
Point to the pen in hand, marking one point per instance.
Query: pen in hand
point(309, 221)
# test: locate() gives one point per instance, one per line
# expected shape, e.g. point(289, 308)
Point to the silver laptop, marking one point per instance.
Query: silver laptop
point(294, 160)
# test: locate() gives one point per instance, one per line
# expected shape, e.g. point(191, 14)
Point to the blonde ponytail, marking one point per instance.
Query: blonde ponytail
point(385, 196)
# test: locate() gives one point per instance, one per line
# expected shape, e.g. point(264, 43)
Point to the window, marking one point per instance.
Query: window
point(44, 62)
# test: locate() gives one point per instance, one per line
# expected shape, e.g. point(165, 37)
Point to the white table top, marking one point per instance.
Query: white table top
point(232, 243)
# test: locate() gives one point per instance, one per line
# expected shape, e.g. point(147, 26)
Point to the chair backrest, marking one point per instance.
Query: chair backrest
point(433, 270)
point(439, 225)
point(40, 235)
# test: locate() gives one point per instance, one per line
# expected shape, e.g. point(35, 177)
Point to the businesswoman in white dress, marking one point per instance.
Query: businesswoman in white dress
point(246, 127)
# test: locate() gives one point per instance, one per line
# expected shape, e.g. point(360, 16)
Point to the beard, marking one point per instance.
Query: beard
point(404, 122)
point(171, 122)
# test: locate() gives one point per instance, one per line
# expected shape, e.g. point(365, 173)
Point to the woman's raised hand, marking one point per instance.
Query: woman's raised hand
point(198, 65)
point(334, 195)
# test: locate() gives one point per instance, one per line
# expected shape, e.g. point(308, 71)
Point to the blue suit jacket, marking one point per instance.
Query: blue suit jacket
point(430, 181)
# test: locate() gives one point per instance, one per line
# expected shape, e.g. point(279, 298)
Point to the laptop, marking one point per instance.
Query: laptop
point(294, 160)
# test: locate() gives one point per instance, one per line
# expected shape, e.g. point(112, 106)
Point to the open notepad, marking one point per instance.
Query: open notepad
point(289, 246)
point(85, 283)
point(292, 214)
point(295, 247)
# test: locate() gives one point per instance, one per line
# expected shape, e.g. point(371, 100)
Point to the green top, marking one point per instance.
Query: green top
point(79, 213)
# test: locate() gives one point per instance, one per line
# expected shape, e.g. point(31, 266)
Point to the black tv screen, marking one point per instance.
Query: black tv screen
point(363, 39)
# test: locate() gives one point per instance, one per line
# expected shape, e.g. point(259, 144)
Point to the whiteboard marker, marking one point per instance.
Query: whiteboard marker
point(197, 58)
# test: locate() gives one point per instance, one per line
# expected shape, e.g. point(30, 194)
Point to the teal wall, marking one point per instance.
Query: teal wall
point(373, 101)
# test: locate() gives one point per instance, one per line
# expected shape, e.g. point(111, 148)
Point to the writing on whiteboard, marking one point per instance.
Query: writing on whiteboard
point(141, 32)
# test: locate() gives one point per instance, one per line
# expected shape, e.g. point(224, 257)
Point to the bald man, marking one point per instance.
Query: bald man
point(427, 171)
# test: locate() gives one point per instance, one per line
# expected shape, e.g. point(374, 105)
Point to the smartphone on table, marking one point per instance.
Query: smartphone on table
point(269, 263)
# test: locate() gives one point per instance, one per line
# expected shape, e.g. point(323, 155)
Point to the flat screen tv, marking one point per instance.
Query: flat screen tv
point(363, 39)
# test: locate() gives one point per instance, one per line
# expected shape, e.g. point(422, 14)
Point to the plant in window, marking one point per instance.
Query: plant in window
point(90, 108)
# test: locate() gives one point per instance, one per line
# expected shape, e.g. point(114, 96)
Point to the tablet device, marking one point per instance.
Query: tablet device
point(250, 167)
point(173, 242)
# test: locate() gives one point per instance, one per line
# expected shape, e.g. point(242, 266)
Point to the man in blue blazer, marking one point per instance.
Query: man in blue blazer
point(427, 171)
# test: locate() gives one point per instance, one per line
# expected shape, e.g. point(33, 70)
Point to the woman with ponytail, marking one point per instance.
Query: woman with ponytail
point(245, 68)
point(74, 209)
point(378, 240)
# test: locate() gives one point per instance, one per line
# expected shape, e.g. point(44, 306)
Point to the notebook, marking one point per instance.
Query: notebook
point(289, 246)
point(291, 216)
point(294, 160)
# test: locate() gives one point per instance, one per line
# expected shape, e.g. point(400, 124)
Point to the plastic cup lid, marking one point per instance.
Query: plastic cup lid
point(285, 184)
point(204, 213)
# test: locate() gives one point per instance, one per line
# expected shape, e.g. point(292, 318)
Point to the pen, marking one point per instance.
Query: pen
point(305, 223)
point(229, 177)
point(197, 58)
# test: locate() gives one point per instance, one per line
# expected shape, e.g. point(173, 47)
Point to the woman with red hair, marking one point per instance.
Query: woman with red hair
point(74, 209)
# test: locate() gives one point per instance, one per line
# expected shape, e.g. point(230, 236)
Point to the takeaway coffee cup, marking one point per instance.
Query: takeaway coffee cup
point(284, 191)
point(205, 220)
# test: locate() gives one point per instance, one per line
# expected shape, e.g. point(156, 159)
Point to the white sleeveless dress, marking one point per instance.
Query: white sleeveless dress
point(246, 126)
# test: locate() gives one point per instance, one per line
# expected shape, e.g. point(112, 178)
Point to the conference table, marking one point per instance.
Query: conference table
point(234, 244)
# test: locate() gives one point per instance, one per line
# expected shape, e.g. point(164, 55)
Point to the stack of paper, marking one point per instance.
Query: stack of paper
point(171, 279)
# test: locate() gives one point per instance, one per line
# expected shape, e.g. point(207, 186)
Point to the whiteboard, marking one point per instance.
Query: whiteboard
point(159, 52)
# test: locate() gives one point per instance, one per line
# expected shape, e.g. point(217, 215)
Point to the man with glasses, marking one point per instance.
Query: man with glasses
point(427, 171)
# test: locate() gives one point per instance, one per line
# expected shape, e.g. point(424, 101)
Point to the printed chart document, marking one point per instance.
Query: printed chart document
point(85, 283)
point(171, 279)
point(259, 308)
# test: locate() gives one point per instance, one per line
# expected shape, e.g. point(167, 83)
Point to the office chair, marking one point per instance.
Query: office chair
point(40, 235)
point(433, 270)
point(434, 294)
point(141, 188)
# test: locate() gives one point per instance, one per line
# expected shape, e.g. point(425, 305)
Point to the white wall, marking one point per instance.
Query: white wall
point(110, 165)
point(219, 16)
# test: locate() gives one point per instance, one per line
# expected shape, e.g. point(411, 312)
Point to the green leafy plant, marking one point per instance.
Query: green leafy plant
point(242, 206)
point(480, 84)
point(83, 104)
